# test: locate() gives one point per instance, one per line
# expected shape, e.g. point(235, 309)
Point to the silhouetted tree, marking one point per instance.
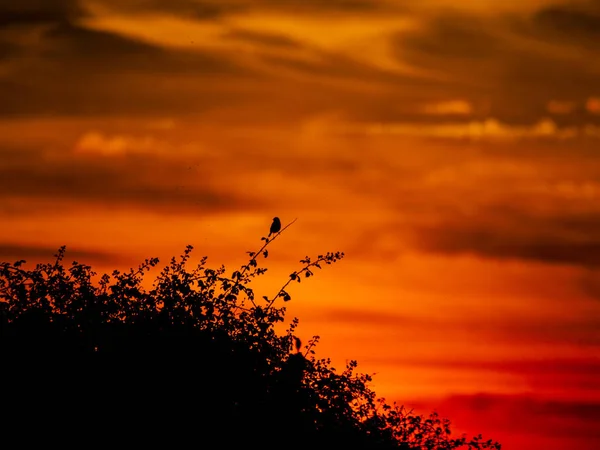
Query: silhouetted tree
point(193, 359)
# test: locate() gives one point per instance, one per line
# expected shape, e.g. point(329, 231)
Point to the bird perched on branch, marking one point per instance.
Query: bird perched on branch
point(275, 226)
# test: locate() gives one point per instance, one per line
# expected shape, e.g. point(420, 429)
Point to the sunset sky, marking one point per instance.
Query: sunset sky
point(451, 149)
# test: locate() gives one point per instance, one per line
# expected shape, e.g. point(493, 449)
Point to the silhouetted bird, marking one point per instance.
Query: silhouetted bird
point(275, 226)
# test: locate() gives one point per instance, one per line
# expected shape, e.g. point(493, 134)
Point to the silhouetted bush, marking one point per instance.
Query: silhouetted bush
point(195, 360)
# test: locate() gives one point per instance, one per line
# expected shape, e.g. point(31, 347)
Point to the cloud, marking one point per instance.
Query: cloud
point(262, 38)
point(504, 62)
point(560, 107)
point(331, 68)
point(495, 200)
point(488, 129)
point(500, 328)
point(578, 373)
point(191, 9)
point(458, 36)
point(226, 56)
point(92, 50)
point(574, 24)
point(97, 143)
point(375, 319)
point(35, 12)
point(590, 283)
point(110, 63)
point(105, 71)
point(348, 6)
point(11, 252)
point(71, 69)
point(450, 107)
point(8, 50)
point(123, 171)
point(211, 9)
point(593, 105)
point(561, 239)
point(544, 420)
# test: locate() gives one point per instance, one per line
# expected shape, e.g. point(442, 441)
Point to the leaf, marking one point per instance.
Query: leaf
point(293, 276)
point(286, 297)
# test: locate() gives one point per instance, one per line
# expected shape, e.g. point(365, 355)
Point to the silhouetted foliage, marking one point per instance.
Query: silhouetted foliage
point(193, 359)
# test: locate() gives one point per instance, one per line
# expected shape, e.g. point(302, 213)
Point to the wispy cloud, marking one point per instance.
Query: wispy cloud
point(518, 327)
point(232, 53)
point(560, 240)
point(10, 252)
point(449, 148)
point(33, 12)
point(121, 171)
point(209, 9)
point(528, 421)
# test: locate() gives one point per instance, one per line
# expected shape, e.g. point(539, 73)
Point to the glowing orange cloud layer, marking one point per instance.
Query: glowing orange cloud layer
point(450, 152)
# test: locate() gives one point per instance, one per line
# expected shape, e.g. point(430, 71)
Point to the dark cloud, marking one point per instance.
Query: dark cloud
point(563, 416)
point(20, 18)
point(50, 11)
point(340, 6)
point(457, 46)
point(8, 50)
point(506, 61)
point(461, 37)
point(190, 9)
point(73, 41)
point(573, 240)
point(76, 70)
point(10, 252)
point(126, 182)
point(214, 9)
point(87, 50)
point(568, 24)
point(36, 12)
point(376, 319)
point(505, 67)
point(590, 283)
point(529, 414)
point(561, 370)
point(263, 39)
point(581, 332)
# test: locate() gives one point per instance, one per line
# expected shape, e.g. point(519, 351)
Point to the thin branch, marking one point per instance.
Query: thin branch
point(245, 267)
point(295, 275)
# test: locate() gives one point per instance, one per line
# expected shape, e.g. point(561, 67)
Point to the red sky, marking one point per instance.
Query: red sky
point(451, 151)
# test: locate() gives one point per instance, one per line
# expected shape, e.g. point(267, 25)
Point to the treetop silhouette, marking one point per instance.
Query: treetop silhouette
point(195, 359)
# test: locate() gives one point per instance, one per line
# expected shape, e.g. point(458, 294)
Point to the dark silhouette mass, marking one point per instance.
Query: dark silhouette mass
point(192, 359)
point(275, 226)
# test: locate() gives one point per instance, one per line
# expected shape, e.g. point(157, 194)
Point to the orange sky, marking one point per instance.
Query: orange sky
point(451, 151)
